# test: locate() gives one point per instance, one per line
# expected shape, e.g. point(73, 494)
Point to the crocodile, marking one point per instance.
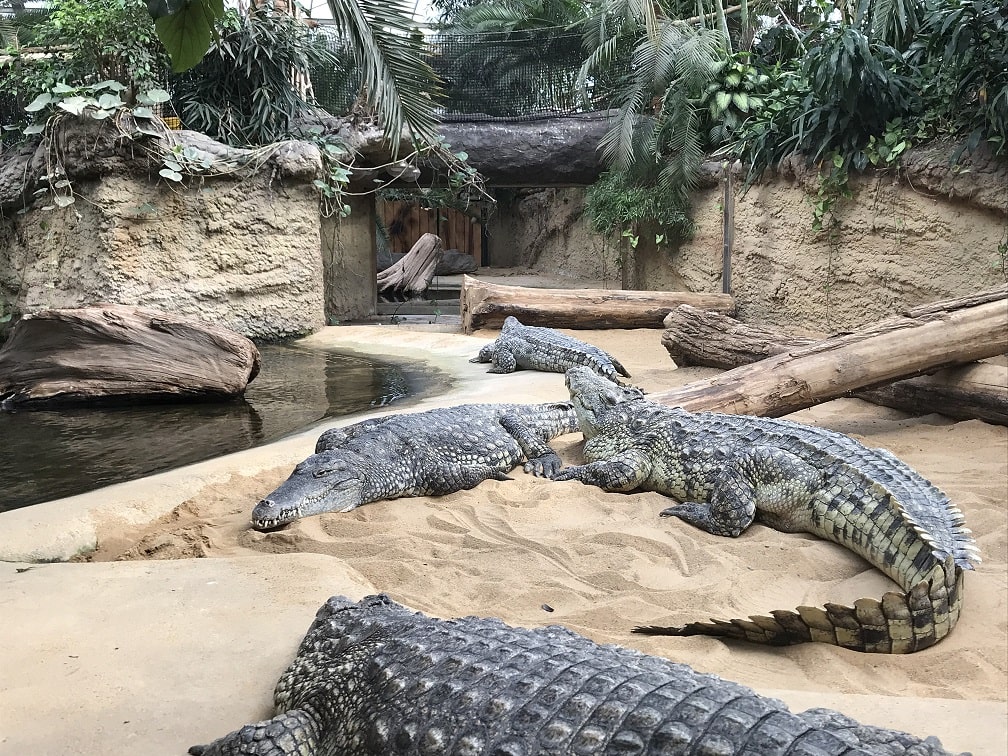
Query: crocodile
point(535, 348)
point(727, 470)
point(430, 453)
point(374, 677)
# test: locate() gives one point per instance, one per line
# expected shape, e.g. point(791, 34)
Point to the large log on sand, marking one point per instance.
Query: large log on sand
point(977, 390)
point(117, 354)
point(486, 305)
point(926, 339)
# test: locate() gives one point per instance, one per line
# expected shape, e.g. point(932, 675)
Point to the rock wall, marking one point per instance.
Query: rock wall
point(240, 250)
point(896, 244)
point(348, 260)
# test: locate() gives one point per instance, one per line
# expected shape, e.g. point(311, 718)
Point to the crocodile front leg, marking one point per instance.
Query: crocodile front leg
point(540, 458)
point(292, 733)
point(625, 472)
point(503, 361)
point(764, 478)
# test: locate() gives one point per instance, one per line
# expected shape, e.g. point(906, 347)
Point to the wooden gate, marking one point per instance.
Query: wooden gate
point(406, 222)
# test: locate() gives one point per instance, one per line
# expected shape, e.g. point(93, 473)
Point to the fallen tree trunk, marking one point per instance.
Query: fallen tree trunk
point(413, 274)
point(117, 354)
point(486, 305)
point(980, 390)
point(828, 369)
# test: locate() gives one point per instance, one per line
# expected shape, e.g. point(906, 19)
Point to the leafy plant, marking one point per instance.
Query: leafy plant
point(242, 92)
point(82, 43)
point(98, 102)
point(734, 95)
point(615, 206)
point(961, 51)
point(886, 151)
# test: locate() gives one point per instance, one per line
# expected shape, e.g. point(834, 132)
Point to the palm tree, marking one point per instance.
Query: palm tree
point(380, 34)
point(657, 138)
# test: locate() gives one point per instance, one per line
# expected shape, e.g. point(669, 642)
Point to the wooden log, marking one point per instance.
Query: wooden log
point(486, 305)
point(978, 391)
point(116, 354)
point(834, 367)
point(975, 391)
point(412, 274)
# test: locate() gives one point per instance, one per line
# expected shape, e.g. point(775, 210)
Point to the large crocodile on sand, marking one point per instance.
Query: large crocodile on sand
point(376, 678)
point(430, 453)
point(728, 470)
point(535, 348)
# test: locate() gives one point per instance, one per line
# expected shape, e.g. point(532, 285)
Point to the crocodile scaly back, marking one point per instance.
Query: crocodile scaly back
point(729, 470)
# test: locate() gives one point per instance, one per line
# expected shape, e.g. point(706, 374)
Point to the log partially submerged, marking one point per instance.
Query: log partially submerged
point(486, 305)
point(117, 354)
point(412, 274)
point(924, 340)
point(979, 390)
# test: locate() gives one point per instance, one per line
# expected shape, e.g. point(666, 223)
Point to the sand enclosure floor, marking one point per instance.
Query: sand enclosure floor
point(601, 562)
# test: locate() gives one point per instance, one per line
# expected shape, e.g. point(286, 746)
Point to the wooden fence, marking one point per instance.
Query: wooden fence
point(406, 222)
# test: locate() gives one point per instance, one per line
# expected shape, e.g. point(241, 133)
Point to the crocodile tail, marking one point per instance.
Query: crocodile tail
point(900, 623)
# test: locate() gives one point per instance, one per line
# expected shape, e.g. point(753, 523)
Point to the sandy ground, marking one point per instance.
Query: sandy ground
point(175, 629)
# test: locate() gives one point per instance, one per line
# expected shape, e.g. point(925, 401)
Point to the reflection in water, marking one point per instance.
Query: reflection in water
point(50, 454)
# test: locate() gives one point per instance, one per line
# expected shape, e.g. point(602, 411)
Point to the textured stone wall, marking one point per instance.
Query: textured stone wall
point(349, 261)
point(898, 243)
point(242, 251)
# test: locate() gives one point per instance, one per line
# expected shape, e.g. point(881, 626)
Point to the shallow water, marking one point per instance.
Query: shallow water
point(47, 454)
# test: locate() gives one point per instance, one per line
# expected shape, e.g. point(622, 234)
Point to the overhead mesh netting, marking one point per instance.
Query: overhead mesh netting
point(523, 75)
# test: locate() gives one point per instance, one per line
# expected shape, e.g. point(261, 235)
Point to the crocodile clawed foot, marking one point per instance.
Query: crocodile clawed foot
point(545, 466)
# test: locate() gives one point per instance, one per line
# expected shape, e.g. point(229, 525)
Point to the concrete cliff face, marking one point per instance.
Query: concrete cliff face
point(241, 250)
point(930, 234)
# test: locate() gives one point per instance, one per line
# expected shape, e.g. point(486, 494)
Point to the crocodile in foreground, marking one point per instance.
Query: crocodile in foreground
point(376, 678)
point(535, 348)
point(430, 453)
point(728, 470)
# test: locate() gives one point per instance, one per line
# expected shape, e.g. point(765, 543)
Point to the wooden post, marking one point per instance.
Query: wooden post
point(727, 229)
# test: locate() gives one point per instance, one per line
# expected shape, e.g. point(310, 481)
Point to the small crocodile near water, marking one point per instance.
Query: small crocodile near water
point(535, 348)
point(728, 470)
point(430, 453)
point(376, 678)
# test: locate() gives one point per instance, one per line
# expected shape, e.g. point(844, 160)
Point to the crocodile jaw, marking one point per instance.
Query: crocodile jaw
point(594, 397)
point(322, 483)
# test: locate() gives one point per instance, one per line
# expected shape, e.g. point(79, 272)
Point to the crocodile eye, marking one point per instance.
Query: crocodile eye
point(320, 472)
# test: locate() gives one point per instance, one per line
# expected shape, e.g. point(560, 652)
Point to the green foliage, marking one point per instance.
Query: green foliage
point(885, 151)
point(832, 188)
point(961, 52)
point(735, 94)
point(92, 42)
point(395, 76)
point(186, 28)
point(241, 93)
point(109, 39)
point(856, 86)
point(615, 206)
point(99, 102)
point(656, 138)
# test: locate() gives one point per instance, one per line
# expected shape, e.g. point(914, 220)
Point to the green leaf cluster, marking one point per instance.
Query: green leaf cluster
point(616, 206)
point(242, 91)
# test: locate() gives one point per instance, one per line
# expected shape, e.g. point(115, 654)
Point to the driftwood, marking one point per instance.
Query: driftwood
point(927, 339)
point(486, 305)
point(412, 274)
point(116, 354)
point(979, 390)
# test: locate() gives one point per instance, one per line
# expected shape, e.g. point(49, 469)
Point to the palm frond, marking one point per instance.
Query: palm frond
point(397, 80)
